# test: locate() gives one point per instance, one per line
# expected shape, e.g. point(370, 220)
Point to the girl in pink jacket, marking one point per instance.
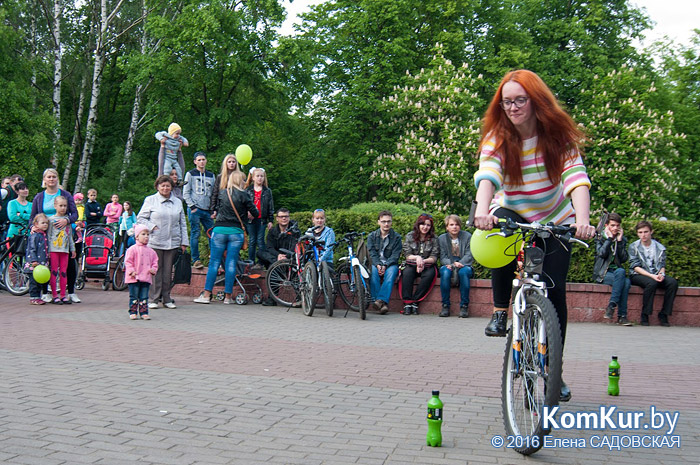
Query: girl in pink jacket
point(140, 263)
point(112, 212)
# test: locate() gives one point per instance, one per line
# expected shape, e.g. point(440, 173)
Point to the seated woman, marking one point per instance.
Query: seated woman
point(227, 235)
point(420, 247)
point(323, 233)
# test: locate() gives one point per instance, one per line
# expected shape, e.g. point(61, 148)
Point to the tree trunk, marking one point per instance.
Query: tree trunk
point(132, 134)
point(76, 133)
point(57, 78)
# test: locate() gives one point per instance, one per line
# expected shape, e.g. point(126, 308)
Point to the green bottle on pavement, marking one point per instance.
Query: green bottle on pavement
point(434, 438)
point(614, 377)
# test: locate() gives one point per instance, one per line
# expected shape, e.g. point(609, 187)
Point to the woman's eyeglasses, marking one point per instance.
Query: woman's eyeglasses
point(519, 102)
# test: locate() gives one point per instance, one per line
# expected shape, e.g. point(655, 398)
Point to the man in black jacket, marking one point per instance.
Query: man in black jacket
point(384, 247)
point(283, 236)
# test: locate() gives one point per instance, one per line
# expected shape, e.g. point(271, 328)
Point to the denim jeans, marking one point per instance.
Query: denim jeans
point(465, 273)
point(620, 289)
point(220, 243)
point(381, 290)
point(138, 292)
point(256, 238)
point(197, 218)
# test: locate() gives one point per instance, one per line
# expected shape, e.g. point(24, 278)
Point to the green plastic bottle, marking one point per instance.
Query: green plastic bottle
point(614, 377)
point(434, 437)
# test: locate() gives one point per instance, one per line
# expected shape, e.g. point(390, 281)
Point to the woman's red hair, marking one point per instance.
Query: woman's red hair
point(416, 227)
point(556, 130)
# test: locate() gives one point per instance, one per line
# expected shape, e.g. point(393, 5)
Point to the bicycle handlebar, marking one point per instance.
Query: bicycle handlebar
point(563, 232)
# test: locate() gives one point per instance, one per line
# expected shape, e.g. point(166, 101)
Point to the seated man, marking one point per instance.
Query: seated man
point(610, 255)
point(648, 270)
point(384, 248)
point(283, 236)
point(456, 260)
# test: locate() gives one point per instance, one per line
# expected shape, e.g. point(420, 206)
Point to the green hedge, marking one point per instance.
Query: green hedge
point(681, 238)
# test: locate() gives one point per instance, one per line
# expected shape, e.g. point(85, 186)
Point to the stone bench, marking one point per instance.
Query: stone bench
point(586, 302)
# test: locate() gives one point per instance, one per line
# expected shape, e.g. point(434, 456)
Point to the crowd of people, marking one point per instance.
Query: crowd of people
point(530, 169)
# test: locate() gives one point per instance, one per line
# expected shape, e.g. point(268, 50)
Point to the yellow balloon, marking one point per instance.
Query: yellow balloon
point(244, 154)
point(496, 251)
point(41, 274)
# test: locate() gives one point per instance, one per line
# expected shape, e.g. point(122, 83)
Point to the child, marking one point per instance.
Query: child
point(261, 195)
point(126, 227)
point(113, 211)
point(37, 253)
point(141, 262)
point(78, 199)
point(170, 155)
point(61, 245)
point(324, 233)
point(93, 210)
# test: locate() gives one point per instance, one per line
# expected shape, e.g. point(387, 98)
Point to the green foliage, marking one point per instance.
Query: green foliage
point(395, 208)
point(436, 117)
point(632, 153)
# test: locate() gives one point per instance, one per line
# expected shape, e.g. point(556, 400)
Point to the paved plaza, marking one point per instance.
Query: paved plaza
point(229, 384)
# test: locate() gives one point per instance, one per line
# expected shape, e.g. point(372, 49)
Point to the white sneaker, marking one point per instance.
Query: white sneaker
point(74, 298)
point(152, 305)
point(46, 298)
point(171, 305)
point(202, 300)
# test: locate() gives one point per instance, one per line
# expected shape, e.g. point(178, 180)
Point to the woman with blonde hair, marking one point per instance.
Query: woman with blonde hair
point(228, 166)
point(530, 169)
point(261, 195)
point(43, 202)
point(227, 236)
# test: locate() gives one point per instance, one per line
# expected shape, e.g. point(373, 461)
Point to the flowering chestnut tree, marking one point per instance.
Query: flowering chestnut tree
point(435, 118)
point(631, 154)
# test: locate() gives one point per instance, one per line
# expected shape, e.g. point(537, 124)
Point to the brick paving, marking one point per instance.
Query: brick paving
point(223, 384)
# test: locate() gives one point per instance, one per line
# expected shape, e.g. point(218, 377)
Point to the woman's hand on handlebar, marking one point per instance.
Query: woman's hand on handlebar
point(584, 232)
point(484, 220)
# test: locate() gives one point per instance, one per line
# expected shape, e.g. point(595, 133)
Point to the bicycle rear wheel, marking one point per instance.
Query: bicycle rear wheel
point(282, 282)
point(345, 287)
point(118, 281)
point(531, 373)
point(328, 291)
point(16, 280)
point(360, 292)
point(308, 288)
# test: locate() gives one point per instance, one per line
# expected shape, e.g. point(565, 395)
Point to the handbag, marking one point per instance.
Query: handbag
point(182, 268)
point(245, 234)
point(20, 246)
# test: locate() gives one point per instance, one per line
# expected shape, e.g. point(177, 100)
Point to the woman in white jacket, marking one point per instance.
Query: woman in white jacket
point(163, 215)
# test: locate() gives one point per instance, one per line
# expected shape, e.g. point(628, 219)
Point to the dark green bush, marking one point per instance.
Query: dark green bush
point(681, 238)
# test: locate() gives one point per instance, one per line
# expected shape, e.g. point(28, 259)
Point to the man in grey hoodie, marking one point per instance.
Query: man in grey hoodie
point(648, 270)
point(199, 184)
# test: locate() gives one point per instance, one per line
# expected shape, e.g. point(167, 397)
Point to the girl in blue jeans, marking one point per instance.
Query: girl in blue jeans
point(227, 236)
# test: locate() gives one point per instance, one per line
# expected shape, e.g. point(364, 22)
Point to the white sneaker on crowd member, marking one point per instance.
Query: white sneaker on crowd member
point(46, 298)
point(74, 298)
point(171, 305)
point(152, 305)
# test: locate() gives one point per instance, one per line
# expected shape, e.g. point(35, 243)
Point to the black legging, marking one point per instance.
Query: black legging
point(72, 273)
point(408, 277)
point(556, 267)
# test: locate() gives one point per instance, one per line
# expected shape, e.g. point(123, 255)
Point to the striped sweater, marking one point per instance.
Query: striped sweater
point(537, 199)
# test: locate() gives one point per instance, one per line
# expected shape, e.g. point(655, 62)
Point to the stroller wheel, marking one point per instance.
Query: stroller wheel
point(105, 285)
point(241, 299)
point(257, 297)
point(80, 282)
point(220, 295)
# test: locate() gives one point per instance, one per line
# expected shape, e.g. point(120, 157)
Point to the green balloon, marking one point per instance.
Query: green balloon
point(496, 251)
point(244, 154)
point(41, 274)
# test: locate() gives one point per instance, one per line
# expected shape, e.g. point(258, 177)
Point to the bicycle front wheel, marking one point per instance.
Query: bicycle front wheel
point(360, 292)
point(328, 291)
point(118, 281)
point(308, 287)
point(16, 280)
point(531, 373)
point(345, 287)
point(283, 282)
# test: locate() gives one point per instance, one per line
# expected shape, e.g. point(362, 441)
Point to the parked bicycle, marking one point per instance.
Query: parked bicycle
point(532, 363)
point(13, 276)
point(352, 277)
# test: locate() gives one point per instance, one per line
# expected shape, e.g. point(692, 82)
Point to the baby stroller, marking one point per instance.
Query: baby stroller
point(245, 281)
point(95, 259)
